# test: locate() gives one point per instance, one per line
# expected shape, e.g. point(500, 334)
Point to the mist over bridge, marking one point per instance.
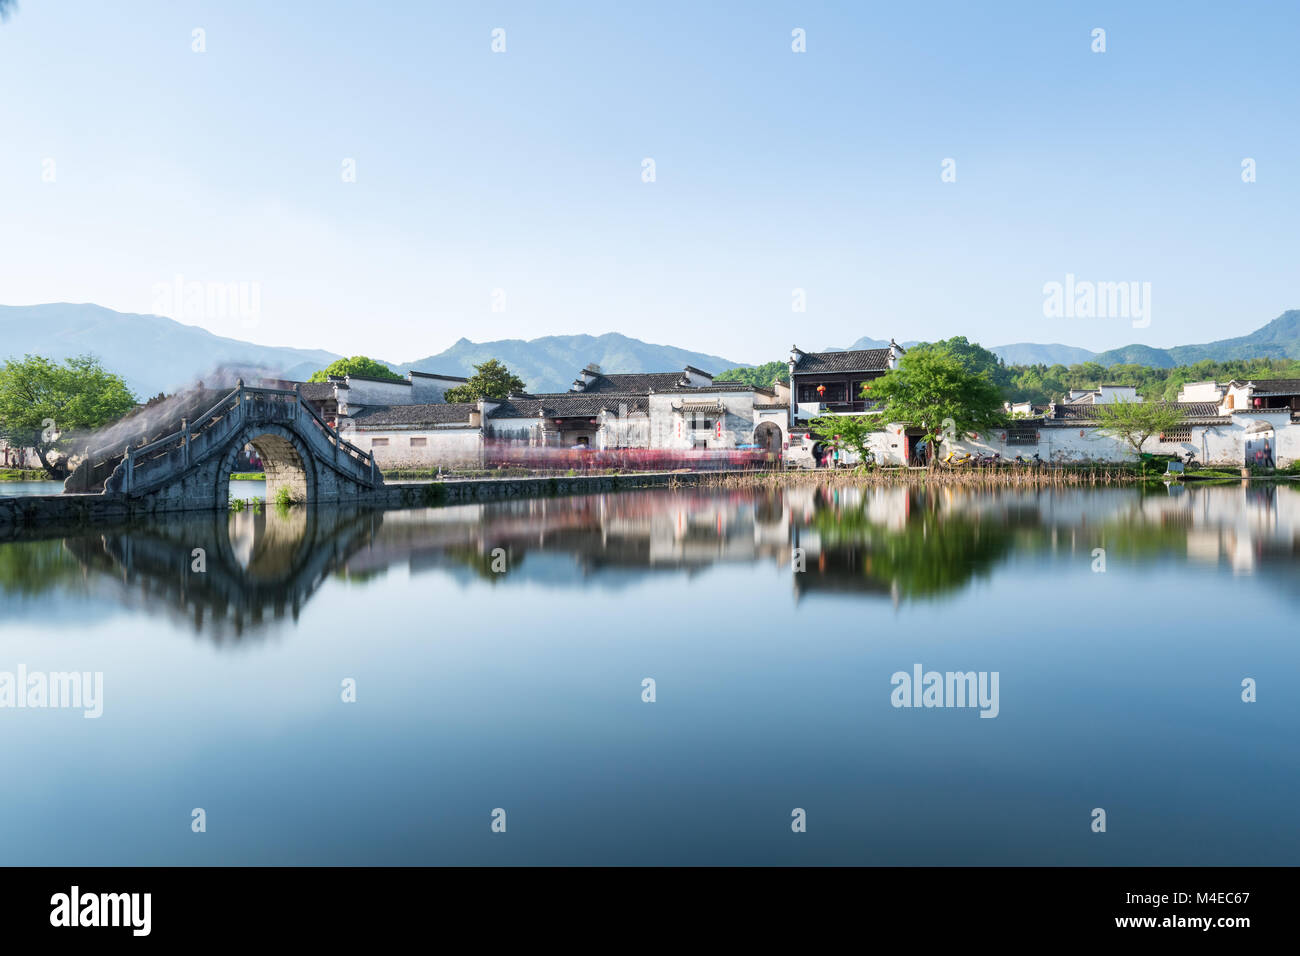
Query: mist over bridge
point(189, 467)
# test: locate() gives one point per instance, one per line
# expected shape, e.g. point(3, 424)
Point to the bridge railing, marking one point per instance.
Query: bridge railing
point(342, 447)
point(241, 405)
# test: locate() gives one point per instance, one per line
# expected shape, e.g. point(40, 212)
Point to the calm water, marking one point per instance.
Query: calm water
point(246, 490)
point(14, 488)
point(522, 689)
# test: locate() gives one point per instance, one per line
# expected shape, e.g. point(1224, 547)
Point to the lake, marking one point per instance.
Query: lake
point(498, 655)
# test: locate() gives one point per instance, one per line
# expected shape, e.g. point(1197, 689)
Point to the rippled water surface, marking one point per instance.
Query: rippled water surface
point(499, 652)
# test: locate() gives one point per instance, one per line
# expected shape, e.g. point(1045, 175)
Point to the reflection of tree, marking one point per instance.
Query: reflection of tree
point(31, 568)
point(935, 550)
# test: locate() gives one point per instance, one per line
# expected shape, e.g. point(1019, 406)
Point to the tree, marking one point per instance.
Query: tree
point(358, 365)
point(43, 403)
point(1135, 422)
point(933, 389)
point(491, 379)
point(847, 433)
point(762, 375)
point(7, 7)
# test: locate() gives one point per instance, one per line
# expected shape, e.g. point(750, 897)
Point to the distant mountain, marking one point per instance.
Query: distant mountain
point(155, 354)
point(551, 363)
point(1027, 353)
point(150, 352)
point(1278, 339)
point(866, 342)
point(1135, 355)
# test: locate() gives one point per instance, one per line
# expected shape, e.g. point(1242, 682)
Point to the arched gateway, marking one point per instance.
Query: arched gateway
point(190, 468)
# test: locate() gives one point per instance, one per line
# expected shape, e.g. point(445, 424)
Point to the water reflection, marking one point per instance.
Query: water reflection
point(232, 574)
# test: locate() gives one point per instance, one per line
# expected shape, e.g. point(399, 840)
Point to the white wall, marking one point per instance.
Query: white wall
point(429, 389)
point(1200, 392)
point(443, 446)
point(365, 392)
point(737, 420)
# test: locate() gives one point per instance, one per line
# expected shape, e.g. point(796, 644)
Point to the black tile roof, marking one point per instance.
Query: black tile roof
point(569, 405)
point(857, 360)
point(436, 413)
point(637, 382)
point(1276, 386)
point(450, 378)
point(1196, 412)
point(382, 381)
point(316, 391)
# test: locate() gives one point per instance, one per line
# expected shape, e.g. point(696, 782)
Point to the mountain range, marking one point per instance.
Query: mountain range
point(1278, 339)
point(155, 354)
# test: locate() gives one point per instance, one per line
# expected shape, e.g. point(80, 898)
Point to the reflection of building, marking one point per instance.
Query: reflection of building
point(902, 543)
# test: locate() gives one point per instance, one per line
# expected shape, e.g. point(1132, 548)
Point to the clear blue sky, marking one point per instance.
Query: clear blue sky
point(775, 170)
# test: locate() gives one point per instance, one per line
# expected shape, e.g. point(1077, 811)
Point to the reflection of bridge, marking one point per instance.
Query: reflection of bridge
point(256, 568)
point(189, 468)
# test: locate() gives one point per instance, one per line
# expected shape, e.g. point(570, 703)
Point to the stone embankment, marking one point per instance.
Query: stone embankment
point(76, 510)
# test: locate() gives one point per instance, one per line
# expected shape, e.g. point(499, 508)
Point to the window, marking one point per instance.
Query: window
point(379, 443)
point(419, 442)
point(1179, 433)
point(1022, 433)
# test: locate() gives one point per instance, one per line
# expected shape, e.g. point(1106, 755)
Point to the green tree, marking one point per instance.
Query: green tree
point(934, 390)
point(762, 375)
point(976, 358)
point(360, 366)
point(1135, 422)
point(847, 433)
point(491, 379)
point(43, 404)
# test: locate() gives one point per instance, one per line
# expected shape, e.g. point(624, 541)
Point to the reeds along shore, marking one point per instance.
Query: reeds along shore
point(1003, 477)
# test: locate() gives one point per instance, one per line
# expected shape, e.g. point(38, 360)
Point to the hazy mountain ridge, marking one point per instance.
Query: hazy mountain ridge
point(154, 354)
point(1279, 338)
point(552, 362)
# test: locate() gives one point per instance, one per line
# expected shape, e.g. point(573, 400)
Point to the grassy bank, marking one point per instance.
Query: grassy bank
point(23, 474)
point(248, 476)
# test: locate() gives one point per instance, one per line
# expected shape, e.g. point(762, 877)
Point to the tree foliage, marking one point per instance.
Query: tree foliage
point(846, 433)
point(359, 365)
point(762, 375)
point(1135, 422)
point(491, 379)
point(43, 404)
point(934, 390)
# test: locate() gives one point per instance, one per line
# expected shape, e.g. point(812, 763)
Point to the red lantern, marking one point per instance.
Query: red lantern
point(821, 391)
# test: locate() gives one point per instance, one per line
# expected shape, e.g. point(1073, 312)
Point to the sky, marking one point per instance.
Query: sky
point(504, 194)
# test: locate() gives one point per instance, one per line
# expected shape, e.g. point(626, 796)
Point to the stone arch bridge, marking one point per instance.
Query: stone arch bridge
point(189, 468)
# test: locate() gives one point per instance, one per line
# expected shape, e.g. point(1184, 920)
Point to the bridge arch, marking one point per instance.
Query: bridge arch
point(285, 457)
